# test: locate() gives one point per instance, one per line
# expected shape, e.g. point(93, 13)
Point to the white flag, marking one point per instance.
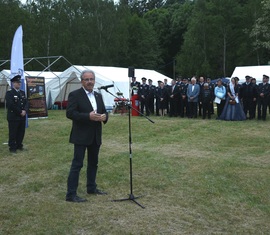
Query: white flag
point(16, 61)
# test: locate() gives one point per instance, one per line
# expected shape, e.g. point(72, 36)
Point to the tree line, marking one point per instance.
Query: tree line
point(175, 37)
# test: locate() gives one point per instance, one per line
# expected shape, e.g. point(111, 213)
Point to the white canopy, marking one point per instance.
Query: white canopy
point(253, 71)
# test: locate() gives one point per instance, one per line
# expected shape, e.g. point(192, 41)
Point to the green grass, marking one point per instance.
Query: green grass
point(196, 177)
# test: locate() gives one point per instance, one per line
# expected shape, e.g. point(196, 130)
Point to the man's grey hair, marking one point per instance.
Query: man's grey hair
point(87, 71)
point(192, 79)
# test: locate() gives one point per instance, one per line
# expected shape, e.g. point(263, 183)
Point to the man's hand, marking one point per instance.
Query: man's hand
point(23, 113)
point(97, 117)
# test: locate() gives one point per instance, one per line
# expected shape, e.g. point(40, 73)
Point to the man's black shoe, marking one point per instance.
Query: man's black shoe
point(76, 199)
point(97, 192)
point(13, 151)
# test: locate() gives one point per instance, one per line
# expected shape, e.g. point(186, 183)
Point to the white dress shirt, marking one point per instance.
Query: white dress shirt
point(92, 99)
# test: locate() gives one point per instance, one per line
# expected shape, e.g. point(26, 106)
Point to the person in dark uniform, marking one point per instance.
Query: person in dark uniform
point(207, 96)
point(201, 84)
point(167, 87)
point(174, 94)
point(151, 97)
point(254, 106)
point(263, 96)
point(17, 108)
point(134, 84)
point(184, 99)
point(143, 96)
point(211, 86)
point(87, 111)
point(247, 95)
point(157, 98)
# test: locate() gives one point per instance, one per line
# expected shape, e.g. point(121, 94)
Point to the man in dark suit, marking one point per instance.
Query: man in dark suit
point(263, 96)
point(87, 112)
point(201, 84)
point(248, 95)
point(151, 97)
point(174, 94)
point(184, 99)
point(17, 107)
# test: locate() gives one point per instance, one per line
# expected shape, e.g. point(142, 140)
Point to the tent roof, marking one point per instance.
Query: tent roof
point(121, 74)
point(104, 76)
point(254, 71)
point(5, 73)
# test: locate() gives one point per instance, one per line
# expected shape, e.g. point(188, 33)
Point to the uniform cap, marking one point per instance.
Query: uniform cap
point(16, 78)
point(265, 76)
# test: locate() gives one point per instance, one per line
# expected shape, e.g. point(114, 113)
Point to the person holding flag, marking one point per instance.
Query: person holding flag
point(17, 107)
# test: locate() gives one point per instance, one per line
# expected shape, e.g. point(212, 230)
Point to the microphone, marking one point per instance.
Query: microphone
point(106, 87)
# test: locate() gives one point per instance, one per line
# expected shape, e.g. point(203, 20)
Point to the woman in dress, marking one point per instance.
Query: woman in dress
point(233, 110)
point(162, 95)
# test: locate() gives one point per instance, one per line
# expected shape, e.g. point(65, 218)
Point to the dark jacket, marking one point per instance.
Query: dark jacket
point(16, 102)
point(84, 131)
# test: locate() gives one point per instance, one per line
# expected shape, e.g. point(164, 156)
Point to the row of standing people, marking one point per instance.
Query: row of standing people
point(193, 98)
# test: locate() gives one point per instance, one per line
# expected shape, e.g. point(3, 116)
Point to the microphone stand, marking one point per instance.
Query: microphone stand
point(131, 196)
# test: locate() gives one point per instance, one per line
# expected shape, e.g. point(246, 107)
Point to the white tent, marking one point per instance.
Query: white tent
point(5, 79)
point(57, 89)
point(253, 71)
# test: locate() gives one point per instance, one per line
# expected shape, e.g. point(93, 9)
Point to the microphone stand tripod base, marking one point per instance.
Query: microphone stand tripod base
point(130, 198)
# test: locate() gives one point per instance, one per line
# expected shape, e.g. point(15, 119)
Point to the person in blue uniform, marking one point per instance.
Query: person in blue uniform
point(17, 108)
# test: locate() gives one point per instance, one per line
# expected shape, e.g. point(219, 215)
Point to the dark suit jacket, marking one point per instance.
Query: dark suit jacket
point(84, 131)
point(16, 102)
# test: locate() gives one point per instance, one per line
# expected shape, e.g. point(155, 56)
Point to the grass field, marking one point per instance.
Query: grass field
point(196, 177)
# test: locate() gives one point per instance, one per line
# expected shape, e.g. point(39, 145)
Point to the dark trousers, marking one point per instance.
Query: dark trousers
point(144, 104)
point(77, 164)
point(207, 108)
point(262, 108)
point(193, 109)
point(151, 104)
point(184, 107)
point(174, 104)
point(220, 107)
point(157, 106)
point(16, 134)
point(248, 107)
point(200, 108)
